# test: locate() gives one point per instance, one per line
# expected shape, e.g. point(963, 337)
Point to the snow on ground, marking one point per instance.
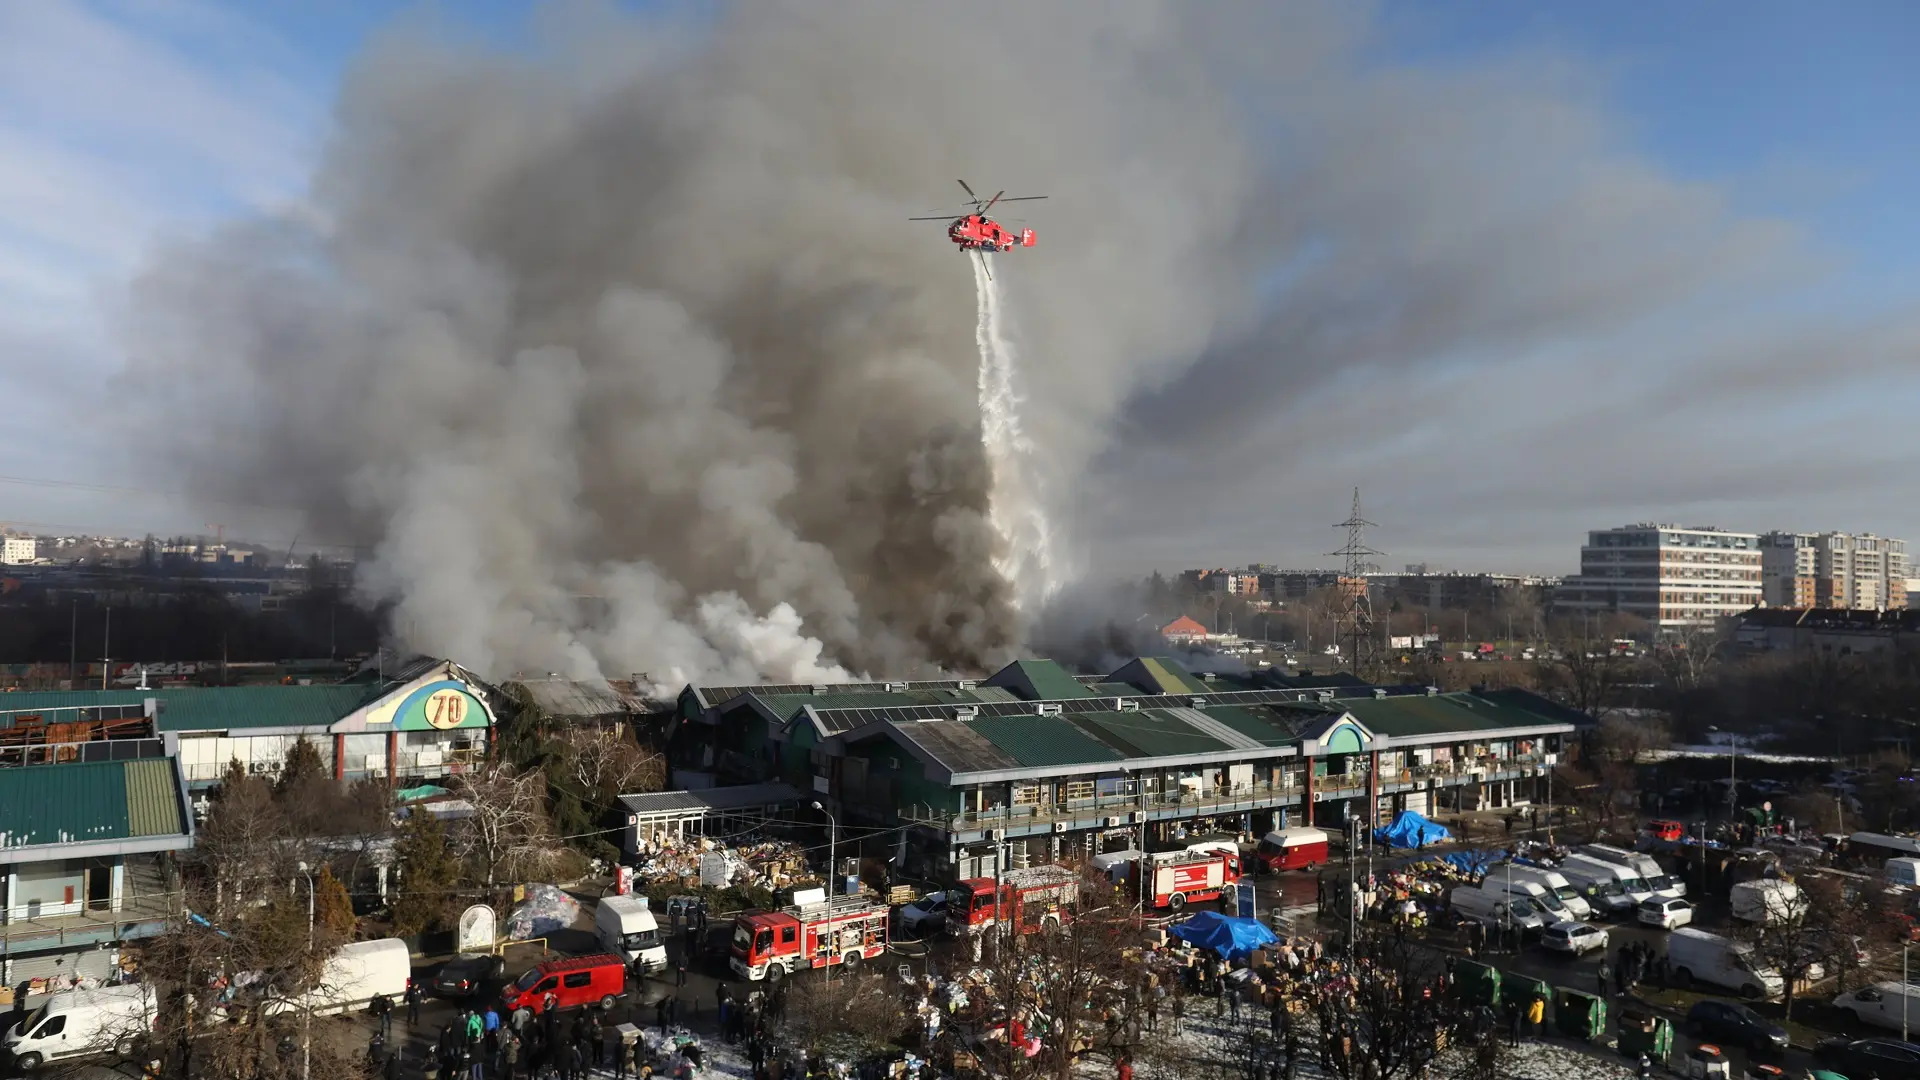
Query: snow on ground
point(1208, 1039)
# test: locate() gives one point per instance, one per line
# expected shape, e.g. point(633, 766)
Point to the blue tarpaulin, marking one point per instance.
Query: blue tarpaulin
point(1410, 830)
point(1231, 938)
point(1475, 862)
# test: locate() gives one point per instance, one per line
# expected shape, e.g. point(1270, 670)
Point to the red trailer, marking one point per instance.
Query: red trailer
point(845, 930)
point(1030, 899)
point(1180, 876)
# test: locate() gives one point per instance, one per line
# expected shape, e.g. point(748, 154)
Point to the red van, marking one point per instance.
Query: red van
point(1298, 848)
point(578, 980)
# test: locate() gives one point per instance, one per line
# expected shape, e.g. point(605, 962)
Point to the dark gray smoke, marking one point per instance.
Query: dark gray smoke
point(637, 316)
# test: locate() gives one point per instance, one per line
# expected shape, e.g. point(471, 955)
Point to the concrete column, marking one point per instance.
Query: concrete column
point(6, 916)
point(393, 756)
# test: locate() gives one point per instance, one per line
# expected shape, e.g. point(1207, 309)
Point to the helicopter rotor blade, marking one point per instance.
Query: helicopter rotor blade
point(970, 194)
point(936, 217)
point(1022, 198)
point(993, 200)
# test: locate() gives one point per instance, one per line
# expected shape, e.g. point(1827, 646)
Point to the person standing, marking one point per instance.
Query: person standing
point(383, 1010)
point(1602, 976)
point(509, 1054)
point(413, 1003)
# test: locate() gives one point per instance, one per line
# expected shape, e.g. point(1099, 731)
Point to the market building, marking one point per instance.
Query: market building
point(423, 720)
point(85, 849)
point(1035, 764)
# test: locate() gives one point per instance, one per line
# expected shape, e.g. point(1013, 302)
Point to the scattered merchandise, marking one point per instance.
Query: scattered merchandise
point(546, 910)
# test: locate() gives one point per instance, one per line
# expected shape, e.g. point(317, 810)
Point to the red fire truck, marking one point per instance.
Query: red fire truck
point(1179, 876)
point(1040, 896)
point(845, 930)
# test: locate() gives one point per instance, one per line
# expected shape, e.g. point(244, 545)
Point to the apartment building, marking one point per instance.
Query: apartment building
point(19, 550)
point(1670, 575)
point(1855, 571)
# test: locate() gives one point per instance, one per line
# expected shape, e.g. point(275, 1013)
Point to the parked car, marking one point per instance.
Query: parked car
point(1884, 1004)
point(1666, 913)
point(927, 915)
point(1576, 938)
point(1737, 1025)
point(1888, 1059)
point(467, 976)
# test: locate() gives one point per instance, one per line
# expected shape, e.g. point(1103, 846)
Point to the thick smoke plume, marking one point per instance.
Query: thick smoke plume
point(620, 355)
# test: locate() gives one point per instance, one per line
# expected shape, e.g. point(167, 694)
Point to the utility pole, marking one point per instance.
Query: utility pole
point(106, 649)
point(1356, 617)
point(73, 649)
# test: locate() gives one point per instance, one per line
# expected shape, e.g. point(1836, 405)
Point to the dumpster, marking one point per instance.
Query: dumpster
point(1523, 991)
point(1476, 984)
point(1644, 1032)
point(1579, 1016)
point(1708, 1062)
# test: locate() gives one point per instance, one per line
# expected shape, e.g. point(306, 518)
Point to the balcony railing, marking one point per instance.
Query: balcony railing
point(1083, 813)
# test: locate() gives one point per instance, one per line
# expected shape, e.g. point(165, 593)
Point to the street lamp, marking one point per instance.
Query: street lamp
point(1733, 752)
point(306, 1018)
point(1905, 994)
point(833, 835)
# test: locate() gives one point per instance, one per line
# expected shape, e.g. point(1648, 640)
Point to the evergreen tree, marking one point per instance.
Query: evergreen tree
point(428, 876)
point(302, 768)
point(332, 907)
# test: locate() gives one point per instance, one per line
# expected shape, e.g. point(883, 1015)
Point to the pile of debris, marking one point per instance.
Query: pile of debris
point(765, 864)
point(546, 910)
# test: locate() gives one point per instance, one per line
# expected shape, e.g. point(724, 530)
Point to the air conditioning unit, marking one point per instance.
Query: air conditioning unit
point(1126, 704)
point(1550, 759)
point(1114, 822)
point(1198, 703)
point(1139, 817)
point(896, 688)
point(999, 834)
point(1059, 826)
point(1050, 709)
point(1325, 695)
point(968, 684)
point(966, 712)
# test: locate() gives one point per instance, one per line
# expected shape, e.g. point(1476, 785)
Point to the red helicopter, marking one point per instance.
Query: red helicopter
point(976, 231)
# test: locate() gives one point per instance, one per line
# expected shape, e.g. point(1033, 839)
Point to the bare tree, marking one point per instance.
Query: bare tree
point(1791, 937)
point(606, 763)
point(508, 835)
point(1615, 755)
point(1686, 656)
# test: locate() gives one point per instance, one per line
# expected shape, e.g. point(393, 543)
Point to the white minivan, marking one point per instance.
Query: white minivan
point(1575, 903)
point(82, 1022)
point(1881, 1005)
point(1496, 910)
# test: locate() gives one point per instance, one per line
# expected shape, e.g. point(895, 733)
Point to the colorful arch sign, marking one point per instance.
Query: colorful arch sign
point(440, 706)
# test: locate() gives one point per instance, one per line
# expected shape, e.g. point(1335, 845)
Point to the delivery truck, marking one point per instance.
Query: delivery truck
point(1643, 865)
point(625, 925)
point(1574, 899)
point(1767, 901)
point(1696, 956)
point(353, 976)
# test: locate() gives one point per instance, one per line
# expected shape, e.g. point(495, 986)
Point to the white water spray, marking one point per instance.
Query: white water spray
point(1015, 506)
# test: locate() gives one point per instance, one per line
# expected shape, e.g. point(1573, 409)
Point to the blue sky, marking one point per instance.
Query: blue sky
point(126, 121)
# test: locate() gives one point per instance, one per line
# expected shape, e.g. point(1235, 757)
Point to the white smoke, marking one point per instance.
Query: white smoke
point(1016, 503)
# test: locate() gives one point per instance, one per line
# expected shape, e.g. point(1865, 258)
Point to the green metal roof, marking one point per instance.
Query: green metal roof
point(1116, 689)
point(85, 802)
point(1042, 741)
point(1262, 725)
point(1414, 715)
point(1147, 733)
point(221, 708)
point(1171, 677)
point(212, 708)
point(1049, 681)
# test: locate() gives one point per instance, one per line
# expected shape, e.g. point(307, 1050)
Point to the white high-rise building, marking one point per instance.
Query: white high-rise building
point(1669, 575)
point(19, 550)
point(1859, 571)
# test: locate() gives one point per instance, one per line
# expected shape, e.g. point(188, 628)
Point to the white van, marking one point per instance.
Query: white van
point(1620, 889)
point(625, 925)
point(1697, 956)
point(1496, 910)
point(1496, 882)
point(1768, 901)
point(1575, 902)
point(353, 977)
point(1638, 863)
point(1903, 872)
point(81, 1022)
point(1881, 1005)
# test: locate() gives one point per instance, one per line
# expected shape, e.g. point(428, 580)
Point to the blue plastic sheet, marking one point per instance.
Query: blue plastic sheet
point(1230, 937)
point(1410, 830)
